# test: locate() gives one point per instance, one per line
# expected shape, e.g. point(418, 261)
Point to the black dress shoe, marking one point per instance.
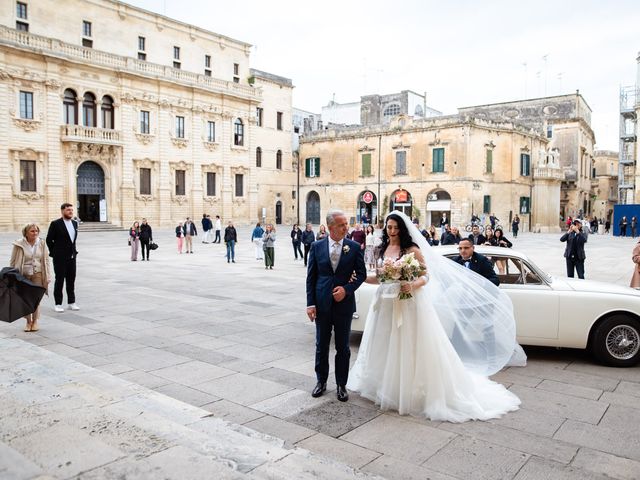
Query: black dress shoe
point(319, 390)
point(343, 395)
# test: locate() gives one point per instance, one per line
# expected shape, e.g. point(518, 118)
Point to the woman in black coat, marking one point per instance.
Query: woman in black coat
point(501, 241)
point(296, 240)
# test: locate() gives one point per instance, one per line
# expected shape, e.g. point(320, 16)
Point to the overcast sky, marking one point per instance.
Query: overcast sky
point(460, 52)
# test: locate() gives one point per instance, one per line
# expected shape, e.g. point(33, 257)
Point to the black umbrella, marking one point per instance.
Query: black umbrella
point(18, 296)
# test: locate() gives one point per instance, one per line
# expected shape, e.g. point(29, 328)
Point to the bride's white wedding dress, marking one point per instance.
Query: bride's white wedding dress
point(407, 361)
point(414, 369)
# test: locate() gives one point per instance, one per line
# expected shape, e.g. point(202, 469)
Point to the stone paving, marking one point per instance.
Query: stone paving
point(233, 339)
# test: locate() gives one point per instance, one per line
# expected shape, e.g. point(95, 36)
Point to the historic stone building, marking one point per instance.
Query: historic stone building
point(605, 184)
point(565, 120)
point(130, 114)
point(452, 166)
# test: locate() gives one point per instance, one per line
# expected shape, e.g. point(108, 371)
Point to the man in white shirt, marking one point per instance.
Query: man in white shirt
point(218, 227)
point(61, 240)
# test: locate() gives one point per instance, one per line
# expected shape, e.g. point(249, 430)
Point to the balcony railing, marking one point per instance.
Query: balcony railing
point(627, 158)
point(78, 133)
point(629, 98)
point(548, 172)
point(62, 49)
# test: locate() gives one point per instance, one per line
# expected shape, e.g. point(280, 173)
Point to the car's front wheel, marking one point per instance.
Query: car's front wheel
point(616, 341)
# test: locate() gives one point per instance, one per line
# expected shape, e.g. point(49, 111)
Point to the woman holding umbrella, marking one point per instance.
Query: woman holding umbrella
point(31, 257)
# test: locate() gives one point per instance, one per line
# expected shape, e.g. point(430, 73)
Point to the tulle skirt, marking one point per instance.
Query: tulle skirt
point(407, 363)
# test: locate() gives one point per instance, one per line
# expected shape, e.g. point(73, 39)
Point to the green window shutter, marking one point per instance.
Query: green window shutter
point(307, 167)
point(489, 161)
point(525, 164)
point(438, 160)
point(317, 169)
point(366, 164)
point(486, 204)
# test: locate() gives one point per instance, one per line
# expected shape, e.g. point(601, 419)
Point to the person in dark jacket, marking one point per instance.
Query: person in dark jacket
point(623, 226)
point(296, 241)
point(230, 239)
point(574, 251)
point(61, 241)
point(146, 236)
point(207, 227)
point(476, 237)
point(308, 237)
point(475, 262)
point(515, 226)
point(180, 236)
point(501, 241)
point(189, 230)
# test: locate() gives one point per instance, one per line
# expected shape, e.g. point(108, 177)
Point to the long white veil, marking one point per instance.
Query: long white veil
point(477, 315)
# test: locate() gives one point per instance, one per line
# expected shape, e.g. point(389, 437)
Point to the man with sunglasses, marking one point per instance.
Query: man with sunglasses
point(480, 264)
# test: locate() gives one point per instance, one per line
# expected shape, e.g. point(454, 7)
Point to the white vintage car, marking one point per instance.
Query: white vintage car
point(556, 312)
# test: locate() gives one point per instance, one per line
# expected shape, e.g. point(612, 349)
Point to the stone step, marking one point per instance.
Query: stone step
point(63, 419)
point(99, 227)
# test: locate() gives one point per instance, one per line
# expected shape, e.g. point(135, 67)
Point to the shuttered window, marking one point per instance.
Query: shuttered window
point(438, 160)
point(312, 167)
point(366, 164)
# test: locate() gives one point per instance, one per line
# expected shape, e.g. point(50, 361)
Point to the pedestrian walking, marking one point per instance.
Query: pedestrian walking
point(30, 257)
point(308, 237)
point(623, 226)
point(635, 258)
point(180, 236)
point(574, 251)
point(189, 229)
point(515, 226)
point(492, 220)
point(217, 227)
point(607, 226)
point(634, 226)
point(322, 232)
point(146, 237)
point(256, 238)
point(206, 228)
point(369, 249)
point(296, 241)
point(230, 239)
point(61, 241)
point(134, 240)
point(268, 240)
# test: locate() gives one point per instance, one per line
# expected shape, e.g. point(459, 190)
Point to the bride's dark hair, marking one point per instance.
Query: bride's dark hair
point(405, 237)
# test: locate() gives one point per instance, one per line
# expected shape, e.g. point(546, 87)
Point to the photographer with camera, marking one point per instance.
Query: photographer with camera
point(574, 251)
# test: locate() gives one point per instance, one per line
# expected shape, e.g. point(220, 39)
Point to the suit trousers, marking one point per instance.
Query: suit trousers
point(145, 246)
point(576, 263)
point(341, 325)
point(65, 270)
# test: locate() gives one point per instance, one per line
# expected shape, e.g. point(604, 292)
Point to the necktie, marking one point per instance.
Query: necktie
point(467, 264)
point(335, 255)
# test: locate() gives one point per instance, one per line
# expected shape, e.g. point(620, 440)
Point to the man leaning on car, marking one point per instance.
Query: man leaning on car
point(574, 251)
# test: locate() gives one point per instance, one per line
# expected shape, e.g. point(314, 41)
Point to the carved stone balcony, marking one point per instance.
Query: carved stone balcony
point(80, 134)
point(548, 173)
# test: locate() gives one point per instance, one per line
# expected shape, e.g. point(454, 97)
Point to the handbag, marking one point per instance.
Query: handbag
point(129, 241)
point(153, 246)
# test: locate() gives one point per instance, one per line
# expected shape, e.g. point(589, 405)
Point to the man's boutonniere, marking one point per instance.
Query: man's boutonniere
point(346, 249)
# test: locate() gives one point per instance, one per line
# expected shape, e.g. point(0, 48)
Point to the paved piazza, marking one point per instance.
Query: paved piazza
point(233, 339)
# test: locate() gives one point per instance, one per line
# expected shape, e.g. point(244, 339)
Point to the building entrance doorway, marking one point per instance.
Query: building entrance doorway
point(367, 207)
point(401, 200)
point(278, 212)
point(313, 208)
point(92, 205)
point(438, 208)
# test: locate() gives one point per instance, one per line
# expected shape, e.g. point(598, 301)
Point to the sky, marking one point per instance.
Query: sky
point(460, 52)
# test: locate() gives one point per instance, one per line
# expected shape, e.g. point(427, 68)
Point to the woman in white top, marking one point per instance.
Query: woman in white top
point(31, 257)
point(370, 244)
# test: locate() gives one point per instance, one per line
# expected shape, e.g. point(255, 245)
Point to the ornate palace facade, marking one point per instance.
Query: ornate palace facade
point(129, 114)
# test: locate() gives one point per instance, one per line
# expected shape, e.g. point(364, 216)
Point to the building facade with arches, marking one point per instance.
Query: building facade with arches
point(128, 114)
point(448, 167)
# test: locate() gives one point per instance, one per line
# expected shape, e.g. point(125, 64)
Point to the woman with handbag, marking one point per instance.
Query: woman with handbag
point(31, 257)
point(180, 236)
point(134, 240)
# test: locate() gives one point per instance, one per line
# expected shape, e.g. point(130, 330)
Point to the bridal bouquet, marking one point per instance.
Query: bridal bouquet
point(406, 269)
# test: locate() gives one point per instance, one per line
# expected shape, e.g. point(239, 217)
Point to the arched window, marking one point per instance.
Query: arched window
point(107, 112)
point(238, 133)
point(391, 110)
point(419, 112)
point(89, 110)
point(70, 107)
point(258, 157)
point(279, 160)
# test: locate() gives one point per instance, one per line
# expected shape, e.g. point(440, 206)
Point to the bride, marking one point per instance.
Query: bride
point(431, 355)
